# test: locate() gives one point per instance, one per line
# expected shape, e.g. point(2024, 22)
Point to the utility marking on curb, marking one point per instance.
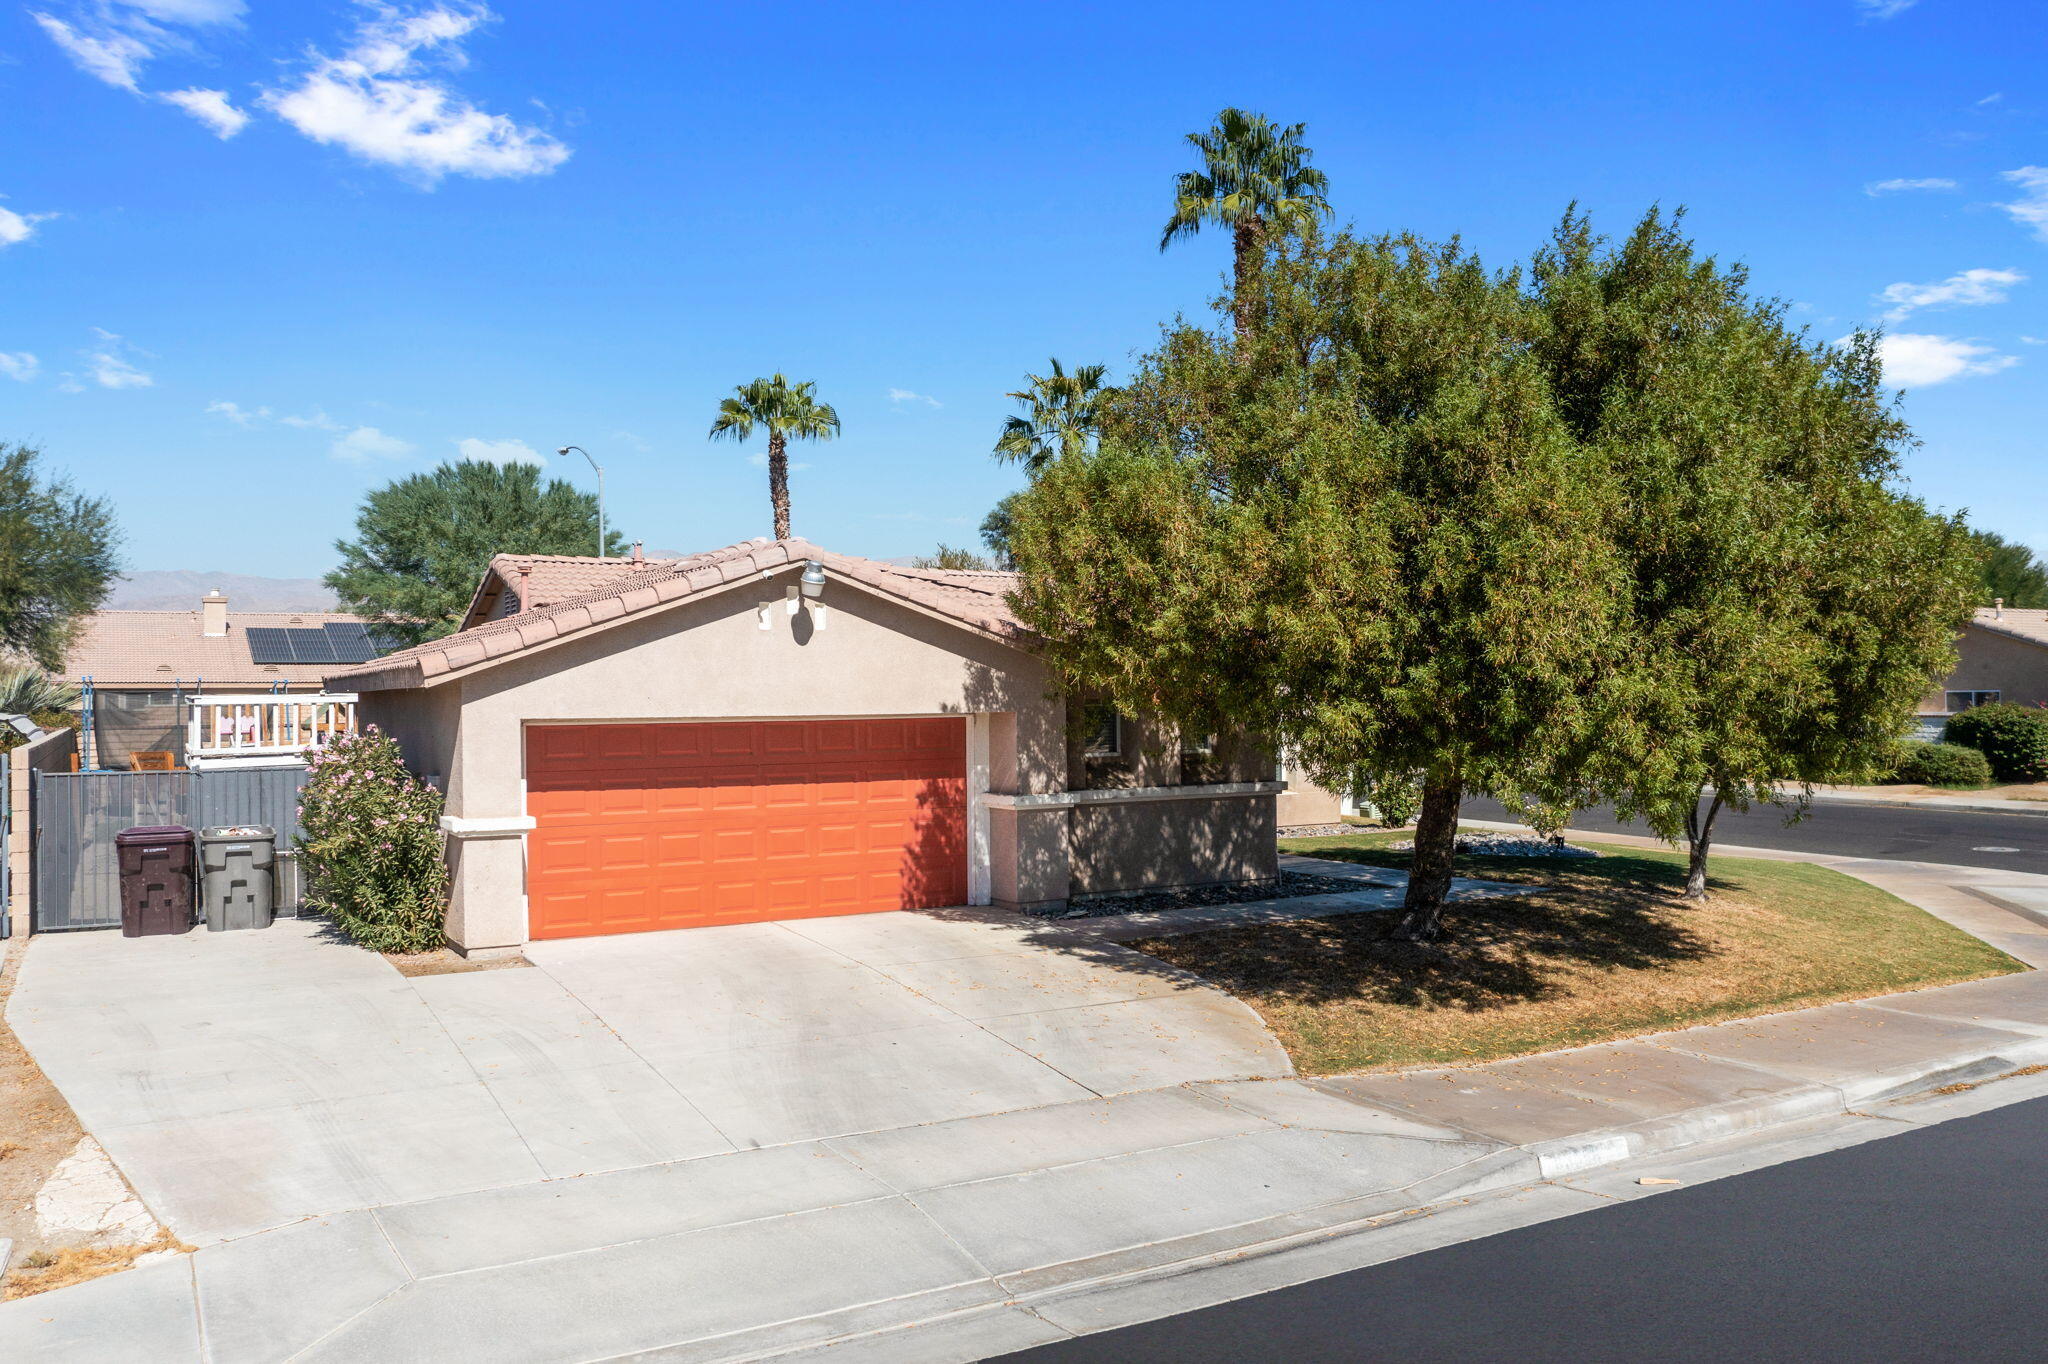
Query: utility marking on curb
point(1994, 850)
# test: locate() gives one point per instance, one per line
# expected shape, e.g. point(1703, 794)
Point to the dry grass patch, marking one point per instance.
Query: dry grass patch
point(1597, 950)
point(43, 1270)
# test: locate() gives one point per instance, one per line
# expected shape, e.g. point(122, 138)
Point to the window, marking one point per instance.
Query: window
point(1963, 700)
point(1197, 745)
point(1102, 730)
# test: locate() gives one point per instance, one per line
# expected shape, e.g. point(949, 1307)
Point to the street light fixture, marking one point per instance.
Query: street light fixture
point(563, 450)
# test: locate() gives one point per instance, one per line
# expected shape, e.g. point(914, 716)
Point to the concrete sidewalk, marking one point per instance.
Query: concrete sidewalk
point(965, 1238)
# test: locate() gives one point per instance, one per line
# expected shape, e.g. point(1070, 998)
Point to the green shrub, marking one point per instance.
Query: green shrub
point(1393, 798)
point(2013, 738)
point(1941, 765)
point(371, 845)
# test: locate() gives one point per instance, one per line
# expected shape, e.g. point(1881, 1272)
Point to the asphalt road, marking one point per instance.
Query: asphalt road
point(2008, 842)
point(1924, 1246)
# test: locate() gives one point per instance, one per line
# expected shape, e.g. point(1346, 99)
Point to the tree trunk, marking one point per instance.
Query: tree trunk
point(778, 481)
point(1699, 837)
point(1436, 843)
point(1248, 239)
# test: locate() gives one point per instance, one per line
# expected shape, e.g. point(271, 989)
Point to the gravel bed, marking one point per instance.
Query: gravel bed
point(1290, 884)
point(1506, 845)
point(1324, 830)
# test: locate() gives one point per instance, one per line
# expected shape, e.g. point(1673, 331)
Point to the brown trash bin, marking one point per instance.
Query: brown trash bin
point(156, 879)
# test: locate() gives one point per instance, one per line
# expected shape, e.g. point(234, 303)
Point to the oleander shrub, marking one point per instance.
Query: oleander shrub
point(371, 845)
point(1941, 765)
point(2013, 738)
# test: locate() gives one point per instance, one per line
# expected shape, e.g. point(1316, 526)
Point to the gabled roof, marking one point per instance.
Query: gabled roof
point(550, 579)
point(977, 601)
point(157, 650)
point(2030, 625)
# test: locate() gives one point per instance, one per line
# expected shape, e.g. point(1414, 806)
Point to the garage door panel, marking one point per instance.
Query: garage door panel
point(673, 825)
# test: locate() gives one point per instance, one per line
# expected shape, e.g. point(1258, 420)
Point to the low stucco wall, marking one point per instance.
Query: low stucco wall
point(1140, 845)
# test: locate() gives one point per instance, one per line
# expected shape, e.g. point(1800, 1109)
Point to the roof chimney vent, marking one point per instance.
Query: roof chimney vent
point(639, 559)
point(213, 614)
point(1998, 608)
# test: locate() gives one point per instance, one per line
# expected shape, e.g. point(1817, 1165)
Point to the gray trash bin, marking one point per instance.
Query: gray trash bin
point(237, 879)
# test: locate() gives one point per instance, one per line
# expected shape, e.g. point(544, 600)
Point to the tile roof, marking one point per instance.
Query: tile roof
point(157, 649)
point(2021, 623)
point(550, 580)
point(977, 601)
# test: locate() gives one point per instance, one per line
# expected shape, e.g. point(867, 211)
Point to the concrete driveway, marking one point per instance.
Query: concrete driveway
point(247, 1081)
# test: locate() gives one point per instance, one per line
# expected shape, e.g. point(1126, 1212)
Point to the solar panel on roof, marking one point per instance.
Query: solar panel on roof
point(349, 641)
point(268, 644)
point(312, 646)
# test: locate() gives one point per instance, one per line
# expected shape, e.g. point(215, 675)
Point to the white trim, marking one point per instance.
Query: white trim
point(495, 826)
point(1133, 795)
point(980, 867)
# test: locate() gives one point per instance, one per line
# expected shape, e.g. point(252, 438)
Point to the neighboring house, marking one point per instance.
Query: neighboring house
point(146, 667)
point(2002, 655)
point(773, 731)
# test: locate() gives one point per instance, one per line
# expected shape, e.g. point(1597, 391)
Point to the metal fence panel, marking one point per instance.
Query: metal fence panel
point(77, 878)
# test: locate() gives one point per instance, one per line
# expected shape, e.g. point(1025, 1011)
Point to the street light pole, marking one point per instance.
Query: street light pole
point(600, 492)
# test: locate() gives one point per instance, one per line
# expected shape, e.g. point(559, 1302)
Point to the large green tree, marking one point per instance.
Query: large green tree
point(1362, 529)
point(57, 558)
point(1789, 604)
point(1255, 181)
point(2008, 572)
point(423, 542)
point(1062, 413)
point(786, 411)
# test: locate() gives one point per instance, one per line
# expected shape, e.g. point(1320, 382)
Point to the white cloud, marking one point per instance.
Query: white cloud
point(628, 438)
point(499, 451)
point(367, 443)
point(316, 420)
point(1932, 182)
point(1917, 360)
point(1884, 9)
point(191, 11)
point(19, 365)
point(236, 413)
point(112, 40)
point(377, 101)
point(2031, 208)
point(210, 107)
point(1965, 289)
point(759, 459)
point(111, 54)
point(16, 228)
point(899, 396)
point(110, 366)
point(2034, 340)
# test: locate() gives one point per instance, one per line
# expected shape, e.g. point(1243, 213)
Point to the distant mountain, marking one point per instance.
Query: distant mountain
point(179, 589)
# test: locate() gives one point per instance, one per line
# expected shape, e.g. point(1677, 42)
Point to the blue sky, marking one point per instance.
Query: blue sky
point(259, 257)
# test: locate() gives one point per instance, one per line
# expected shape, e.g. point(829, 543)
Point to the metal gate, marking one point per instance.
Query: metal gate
point(77, 879)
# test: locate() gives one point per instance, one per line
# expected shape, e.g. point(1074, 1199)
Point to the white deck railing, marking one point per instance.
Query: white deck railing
point(268, 726)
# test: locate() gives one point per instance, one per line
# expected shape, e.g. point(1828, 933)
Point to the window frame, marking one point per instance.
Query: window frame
point(1986, 696)
point(1092, 731)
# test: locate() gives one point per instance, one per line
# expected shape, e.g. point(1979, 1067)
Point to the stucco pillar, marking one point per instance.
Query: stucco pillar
point(487, 884)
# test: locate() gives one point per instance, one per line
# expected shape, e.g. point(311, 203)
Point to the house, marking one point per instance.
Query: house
point(2002, 655)
point(145, 669)
point(771, 730)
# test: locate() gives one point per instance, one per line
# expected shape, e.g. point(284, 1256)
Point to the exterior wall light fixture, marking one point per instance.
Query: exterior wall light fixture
point(813, 580)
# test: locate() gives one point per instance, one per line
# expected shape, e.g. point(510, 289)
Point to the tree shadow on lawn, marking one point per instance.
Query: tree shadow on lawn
point(1614, 914)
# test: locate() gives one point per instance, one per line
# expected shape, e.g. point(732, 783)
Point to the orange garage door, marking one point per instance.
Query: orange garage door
point(650, 826)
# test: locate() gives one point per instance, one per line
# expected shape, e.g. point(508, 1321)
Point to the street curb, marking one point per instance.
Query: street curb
point(1951, 804)
point(1346, 1219)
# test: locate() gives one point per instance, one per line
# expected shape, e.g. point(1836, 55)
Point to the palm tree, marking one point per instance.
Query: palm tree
point(1255, 177)
point(785, 410)
point(1065, 413)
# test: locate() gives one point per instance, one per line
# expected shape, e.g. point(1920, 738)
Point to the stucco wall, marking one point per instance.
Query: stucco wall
point(708, 659)
point(1136, 845)
point(1990, 661)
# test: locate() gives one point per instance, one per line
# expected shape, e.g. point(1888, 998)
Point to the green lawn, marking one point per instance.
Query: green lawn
point(1598, 950)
